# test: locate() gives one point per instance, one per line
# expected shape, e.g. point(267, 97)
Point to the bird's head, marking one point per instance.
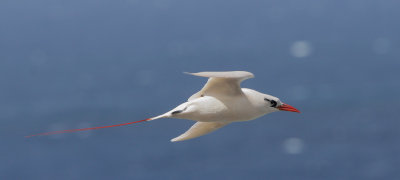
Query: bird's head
point(275, 104)
point(266, 103)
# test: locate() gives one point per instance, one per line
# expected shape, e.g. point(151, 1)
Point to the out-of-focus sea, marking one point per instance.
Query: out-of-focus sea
point(77, 64)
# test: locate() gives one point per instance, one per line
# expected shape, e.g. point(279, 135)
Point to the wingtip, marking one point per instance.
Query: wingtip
point(188, 73)
point(179, 138)
point(223, 74)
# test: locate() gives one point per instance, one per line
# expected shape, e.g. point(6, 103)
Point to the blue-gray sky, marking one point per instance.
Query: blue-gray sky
point(70, 64)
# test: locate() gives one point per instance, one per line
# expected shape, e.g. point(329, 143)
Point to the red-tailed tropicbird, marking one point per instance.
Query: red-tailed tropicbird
point(221, 101)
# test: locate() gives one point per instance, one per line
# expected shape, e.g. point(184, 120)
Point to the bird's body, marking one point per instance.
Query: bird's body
point(220, 109)
point(221, 101)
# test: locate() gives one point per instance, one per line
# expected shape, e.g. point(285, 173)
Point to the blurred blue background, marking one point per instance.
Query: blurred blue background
point(77, 64)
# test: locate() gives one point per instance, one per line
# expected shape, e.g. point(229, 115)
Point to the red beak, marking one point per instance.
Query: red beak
point(287, 107)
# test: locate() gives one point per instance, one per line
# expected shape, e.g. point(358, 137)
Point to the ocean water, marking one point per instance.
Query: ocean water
point(78, 64)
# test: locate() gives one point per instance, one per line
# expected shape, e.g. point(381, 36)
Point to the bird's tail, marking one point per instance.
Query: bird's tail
point(159, 117)
point(93, 128)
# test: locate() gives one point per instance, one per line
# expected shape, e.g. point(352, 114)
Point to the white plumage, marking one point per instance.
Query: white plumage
point(222, 101)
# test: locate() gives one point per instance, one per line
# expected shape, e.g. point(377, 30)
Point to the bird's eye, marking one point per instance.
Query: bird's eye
point(273, 103)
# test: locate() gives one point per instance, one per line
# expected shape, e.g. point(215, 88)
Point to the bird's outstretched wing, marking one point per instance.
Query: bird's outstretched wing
point(221, 83)
point(199, 129)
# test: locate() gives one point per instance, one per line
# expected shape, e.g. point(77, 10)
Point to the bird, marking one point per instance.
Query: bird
point(220, 102)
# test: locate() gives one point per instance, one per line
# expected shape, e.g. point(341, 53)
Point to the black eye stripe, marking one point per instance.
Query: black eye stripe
point(273, 103)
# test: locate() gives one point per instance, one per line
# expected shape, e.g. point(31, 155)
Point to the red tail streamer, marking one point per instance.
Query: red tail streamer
point(84, 129)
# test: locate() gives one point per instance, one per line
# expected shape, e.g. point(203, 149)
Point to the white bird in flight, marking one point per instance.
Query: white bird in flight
point(221, 101)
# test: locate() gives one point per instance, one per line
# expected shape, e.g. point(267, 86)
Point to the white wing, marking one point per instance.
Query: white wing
point(199, 129)
point(222, 83)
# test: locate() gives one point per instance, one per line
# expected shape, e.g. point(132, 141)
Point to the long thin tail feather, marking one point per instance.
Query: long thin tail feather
point(85, 129)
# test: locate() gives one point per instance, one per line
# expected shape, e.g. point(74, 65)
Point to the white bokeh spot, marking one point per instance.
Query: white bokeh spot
point(381, 46)
point(293, 145)
point(300, 49)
